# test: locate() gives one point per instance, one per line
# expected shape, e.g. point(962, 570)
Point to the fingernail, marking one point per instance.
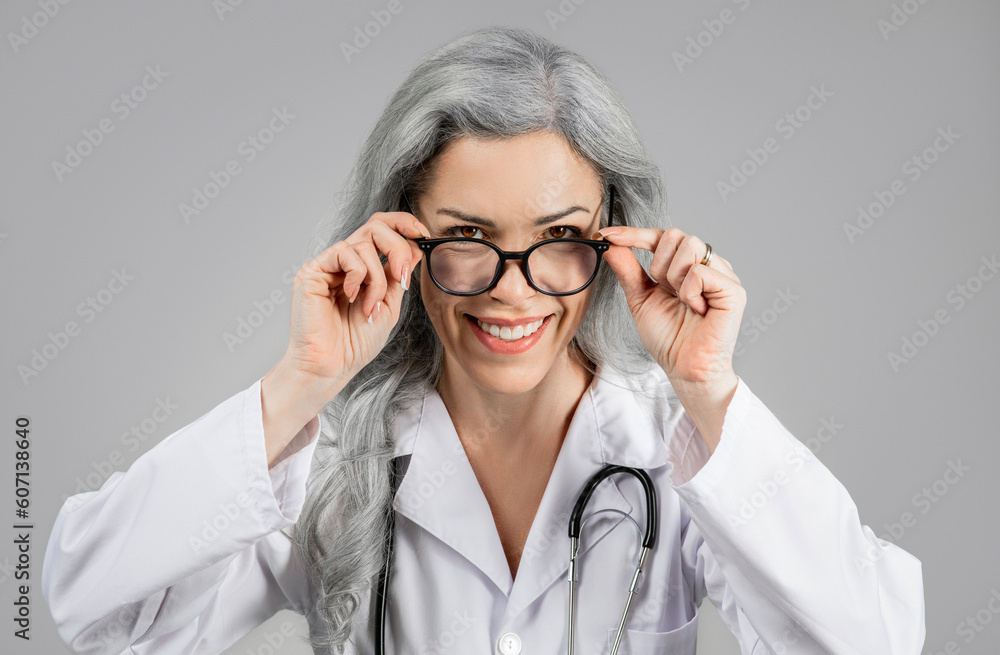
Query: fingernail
point(378, 307)
point(609, 231)
point(406, 272)
point(370, 318)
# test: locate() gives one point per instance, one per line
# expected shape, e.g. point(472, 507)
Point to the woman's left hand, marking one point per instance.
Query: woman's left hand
point(687, 314)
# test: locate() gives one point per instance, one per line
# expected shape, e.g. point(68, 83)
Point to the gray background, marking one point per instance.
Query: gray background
point(824, 356)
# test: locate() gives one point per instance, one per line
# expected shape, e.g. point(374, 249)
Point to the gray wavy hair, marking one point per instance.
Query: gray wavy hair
point(496, 83)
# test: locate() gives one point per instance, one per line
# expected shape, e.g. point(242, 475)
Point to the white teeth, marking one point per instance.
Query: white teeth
point(511, 334)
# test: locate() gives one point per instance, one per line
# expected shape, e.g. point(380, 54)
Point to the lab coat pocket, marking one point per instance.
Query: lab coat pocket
point(680, 641)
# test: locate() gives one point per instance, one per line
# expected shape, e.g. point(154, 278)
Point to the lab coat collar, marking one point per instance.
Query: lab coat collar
point(441, 493)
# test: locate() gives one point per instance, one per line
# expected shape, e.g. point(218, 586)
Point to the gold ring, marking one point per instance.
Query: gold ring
point(708, 255)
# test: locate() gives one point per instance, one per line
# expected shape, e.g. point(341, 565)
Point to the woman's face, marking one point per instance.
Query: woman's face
point(510, 183)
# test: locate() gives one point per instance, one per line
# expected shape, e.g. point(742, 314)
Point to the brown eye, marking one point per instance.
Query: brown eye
point(466, 231)
point(564, 231)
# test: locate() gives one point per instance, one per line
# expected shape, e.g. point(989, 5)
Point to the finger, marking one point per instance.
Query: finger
point(375, 279)
point(392, 301)
point(401, 252)
point(644, 238)
point(664, 254)
point(704, 288)
point(719, 263)
point(690, 251)
point(404, 223)
point(728, 267)
point(633, 279)
point(344, 266)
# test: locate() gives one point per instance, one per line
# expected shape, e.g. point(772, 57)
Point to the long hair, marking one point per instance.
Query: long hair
point(494, 83)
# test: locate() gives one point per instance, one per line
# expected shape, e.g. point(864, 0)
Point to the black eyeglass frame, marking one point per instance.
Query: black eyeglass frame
point(427, 245)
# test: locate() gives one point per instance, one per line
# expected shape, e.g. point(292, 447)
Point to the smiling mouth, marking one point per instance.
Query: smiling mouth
point(506, 333)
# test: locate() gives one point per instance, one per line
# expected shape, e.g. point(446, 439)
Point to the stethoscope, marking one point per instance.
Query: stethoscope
point(576, 522)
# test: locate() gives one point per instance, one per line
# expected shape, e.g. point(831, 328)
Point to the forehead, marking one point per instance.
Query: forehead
point(514, 179)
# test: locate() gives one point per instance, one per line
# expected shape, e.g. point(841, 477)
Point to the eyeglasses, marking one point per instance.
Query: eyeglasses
point(465, 266)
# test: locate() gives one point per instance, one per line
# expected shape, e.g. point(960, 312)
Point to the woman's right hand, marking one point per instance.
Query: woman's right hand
point(333, 295)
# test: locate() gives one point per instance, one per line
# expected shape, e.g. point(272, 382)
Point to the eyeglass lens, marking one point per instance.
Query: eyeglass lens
point(556, 267)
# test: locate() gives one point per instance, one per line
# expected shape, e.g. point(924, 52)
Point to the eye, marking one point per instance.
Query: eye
point(462, 231)
point(565, 231)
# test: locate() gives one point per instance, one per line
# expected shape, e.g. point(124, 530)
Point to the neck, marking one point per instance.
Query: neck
point(506, 427)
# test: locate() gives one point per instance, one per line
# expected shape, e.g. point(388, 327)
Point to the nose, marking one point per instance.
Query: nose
point(512, 287)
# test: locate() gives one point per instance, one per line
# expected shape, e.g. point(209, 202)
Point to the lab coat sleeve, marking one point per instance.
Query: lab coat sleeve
point(775, 541)
point(182, 552)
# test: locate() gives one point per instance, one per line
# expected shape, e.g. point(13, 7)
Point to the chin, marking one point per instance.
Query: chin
point(508, 379)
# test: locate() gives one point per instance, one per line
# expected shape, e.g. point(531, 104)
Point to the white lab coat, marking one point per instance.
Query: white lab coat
point(182, 554)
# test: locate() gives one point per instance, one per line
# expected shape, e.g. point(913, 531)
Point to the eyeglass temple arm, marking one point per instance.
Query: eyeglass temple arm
point(611, 205)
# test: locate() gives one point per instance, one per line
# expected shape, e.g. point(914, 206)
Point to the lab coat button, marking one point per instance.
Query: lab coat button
point(509, 644)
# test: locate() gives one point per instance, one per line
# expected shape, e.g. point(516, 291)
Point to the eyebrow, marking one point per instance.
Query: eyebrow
point(485, 222)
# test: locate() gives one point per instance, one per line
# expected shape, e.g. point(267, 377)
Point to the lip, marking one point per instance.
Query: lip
point(501, 347)
point(501, 322)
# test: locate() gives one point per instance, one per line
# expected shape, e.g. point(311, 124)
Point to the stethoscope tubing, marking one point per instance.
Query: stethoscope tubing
point(575, 524)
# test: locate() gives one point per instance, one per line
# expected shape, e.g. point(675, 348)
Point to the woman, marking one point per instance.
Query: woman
point(490, 392)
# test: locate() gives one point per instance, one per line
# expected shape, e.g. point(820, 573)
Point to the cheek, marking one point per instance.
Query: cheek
point(438, 305)
point(576, 306)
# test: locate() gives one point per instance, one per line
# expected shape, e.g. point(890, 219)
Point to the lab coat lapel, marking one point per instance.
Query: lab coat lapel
point(608, 427)
point(440, 491)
